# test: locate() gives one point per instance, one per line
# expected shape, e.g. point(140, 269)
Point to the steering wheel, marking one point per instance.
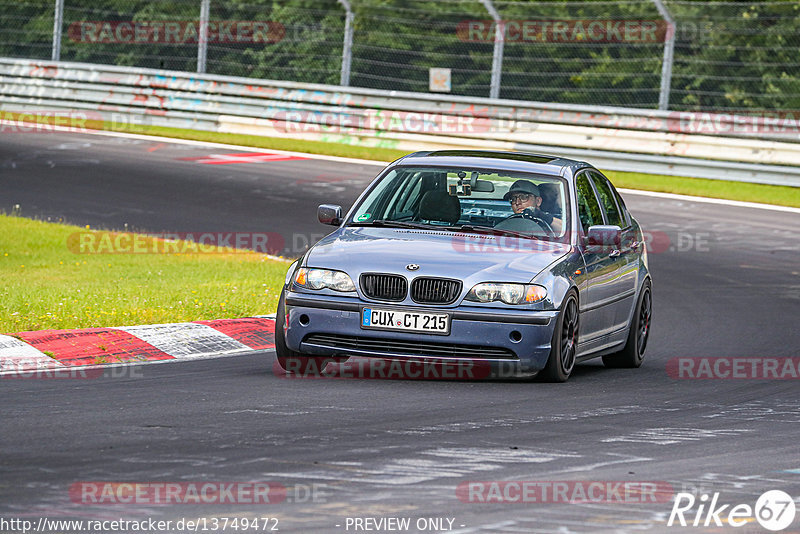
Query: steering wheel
point(530, 217)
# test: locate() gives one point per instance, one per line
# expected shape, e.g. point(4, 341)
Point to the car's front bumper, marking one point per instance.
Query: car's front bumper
point(509, 342)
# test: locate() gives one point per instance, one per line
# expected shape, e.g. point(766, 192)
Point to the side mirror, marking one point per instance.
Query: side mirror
point(604, 236)
point(329, 214)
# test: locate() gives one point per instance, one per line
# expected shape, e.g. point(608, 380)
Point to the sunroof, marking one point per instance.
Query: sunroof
point(519, 156)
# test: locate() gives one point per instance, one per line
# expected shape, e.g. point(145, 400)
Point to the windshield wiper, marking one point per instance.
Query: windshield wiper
point(397, 224)
point(490, 231)
point(384, 223)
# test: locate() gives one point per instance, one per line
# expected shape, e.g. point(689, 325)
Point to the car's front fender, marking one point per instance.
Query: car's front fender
point(559, 278)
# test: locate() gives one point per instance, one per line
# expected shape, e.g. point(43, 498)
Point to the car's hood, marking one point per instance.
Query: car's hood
point(470, 257)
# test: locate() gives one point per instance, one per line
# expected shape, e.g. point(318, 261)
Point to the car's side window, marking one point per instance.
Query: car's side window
point(588, 207)
point(626, 217)
point(607, 200)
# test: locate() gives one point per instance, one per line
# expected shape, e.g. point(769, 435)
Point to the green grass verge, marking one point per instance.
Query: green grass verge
point(699, 187)
point(276, 143)
point(47, 285)
point(767, 194)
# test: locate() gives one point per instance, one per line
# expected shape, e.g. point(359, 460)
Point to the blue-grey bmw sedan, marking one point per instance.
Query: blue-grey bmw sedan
point(520, 263)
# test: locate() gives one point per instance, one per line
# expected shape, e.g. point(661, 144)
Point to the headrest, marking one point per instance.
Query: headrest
point(439, 206)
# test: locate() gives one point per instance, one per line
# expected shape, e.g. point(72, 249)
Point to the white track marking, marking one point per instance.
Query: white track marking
point(356, 161)
point(186, 340)
point(486, 527)
point(489, 455)
point(253, 157)
point(624, 459)
point(428, 465)
point(226, 146)
point(17, 356)
point(673, 436)
point(707, 200)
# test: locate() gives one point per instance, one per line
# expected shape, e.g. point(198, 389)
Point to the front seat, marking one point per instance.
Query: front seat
point(439, 206)
point(550, 198)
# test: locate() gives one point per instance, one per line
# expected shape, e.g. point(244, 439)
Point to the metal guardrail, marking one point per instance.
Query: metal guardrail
point(652, 142)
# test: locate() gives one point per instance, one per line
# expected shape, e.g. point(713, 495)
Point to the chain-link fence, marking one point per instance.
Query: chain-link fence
point(723, 55)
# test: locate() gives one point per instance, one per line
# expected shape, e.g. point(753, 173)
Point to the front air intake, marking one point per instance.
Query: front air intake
point(390, 287)
point(435, 290)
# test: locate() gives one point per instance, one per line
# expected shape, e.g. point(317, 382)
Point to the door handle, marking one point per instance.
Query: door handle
point(614, 253)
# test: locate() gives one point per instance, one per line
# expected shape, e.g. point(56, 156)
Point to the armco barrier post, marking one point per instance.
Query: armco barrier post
point(202, 38)
point(347, 47)
point(669, 50)
point(497, 54)
point(58, 22)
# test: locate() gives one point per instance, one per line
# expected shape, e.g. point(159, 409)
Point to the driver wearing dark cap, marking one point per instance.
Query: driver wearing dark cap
point(526, 200)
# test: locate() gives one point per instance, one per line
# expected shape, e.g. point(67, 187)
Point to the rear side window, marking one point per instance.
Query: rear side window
point(588, 208)
point(608, 201)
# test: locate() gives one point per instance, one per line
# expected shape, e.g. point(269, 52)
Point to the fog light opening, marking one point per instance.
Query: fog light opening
point(304, 320)
point(515, 336)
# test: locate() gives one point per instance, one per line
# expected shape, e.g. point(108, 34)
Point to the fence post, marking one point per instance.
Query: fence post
point(669, 53)
point(58, 23)
point(202, 37)
point(347, 47)
point(497, 54)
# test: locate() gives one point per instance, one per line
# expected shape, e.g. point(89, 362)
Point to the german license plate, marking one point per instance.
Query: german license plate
point(408, 321)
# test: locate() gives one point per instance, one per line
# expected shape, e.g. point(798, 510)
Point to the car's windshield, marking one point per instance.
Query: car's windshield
point(467, 199)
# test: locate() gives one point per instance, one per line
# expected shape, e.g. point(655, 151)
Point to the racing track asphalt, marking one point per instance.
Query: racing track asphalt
point(727, 285)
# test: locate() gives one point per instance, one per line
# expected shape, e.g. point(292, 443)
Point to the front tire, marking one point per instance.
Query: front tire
point(292, 361)
point(632, 355)
point(564, 344)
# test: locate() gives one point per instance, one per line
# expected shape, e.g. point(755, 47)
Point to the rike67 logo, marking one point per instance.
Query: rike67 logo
point(774, 510)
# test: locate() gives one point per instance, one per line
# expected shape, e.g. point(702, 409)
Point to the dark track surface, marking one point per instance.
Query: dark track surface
point(393, 448)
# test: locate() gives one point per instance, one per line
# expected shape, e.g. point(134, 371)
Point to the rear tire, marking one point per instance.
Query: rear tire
point(564, 344)
point(632, 355)
point(292, 361)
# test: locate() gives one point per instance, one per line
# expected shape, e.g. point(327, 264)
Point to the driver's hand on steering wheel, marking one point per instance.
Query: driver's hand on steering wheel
point(537, 213)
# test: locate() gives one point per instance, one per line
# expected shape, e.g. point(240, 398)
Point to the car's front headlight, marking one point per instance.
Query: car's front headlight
point(507, 293)
point(323, 278)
